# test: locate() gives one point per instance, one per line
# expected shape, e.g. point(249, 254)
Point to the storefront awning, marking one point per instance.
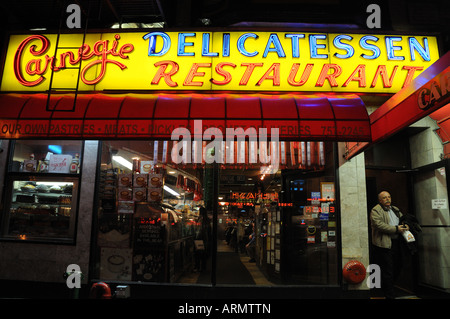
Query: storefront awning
point(442, 118)
point(155, 116)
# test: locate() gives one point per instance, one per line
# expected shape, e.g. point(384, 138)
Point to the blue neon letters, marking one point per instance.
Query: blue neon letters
point(313, 46)
point(347, 47)
point(241, 42)
point(424, 51)
point(295, 43)
point(273, 39)
point(367, 46)
point(391, 48)
point(152, 43)
point(249, 44)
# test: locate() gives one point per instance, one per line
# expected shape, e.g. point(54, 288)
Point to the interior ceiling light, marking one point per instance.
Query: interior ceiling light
point(170, 190)
point(123, 162)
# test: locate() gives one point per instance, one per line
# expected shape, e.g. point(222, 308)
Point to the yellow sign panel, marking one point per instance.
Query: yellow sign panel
point(232, 61)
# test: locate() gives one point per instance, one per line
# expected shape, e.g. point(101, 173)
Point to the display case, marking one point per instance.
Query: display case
point(41, 193)
point(41, 208)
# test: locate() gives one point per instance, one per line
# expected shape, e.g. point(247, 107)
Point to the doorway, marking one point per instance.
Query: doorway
point(243, 195)
point(397, 183)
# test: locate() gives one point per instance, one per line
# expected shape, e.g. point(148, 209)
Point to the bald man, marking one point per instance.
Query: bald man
point(384, 219)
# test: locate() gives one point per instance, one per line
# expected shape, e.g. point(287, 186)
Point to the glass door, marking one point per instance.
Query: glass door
point(432, 213)
point(310, 225)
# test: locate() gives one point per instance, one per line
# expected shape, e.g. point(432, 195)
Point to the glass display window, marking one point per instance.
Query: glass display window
point(41, 193)
point(46, 156)
point(148, 213)
point(40, 208)
point(162, 218)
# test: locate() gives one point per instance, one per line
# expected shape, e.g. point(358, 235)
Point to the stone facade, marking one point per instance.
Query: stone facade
point(354, 225)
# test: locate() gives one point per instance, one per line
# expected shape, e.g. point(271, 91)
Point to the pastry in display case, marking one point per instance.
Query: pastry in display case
point(41, 208)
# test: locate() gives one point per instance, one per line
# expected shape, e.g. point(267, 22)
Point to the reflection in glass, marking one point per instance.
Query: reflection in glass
point(273, 227)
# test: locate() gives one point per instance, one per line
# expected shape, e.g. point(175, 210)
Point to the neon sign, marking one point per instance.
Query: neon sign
point(434, 91)
point(250, 195)
point(235, 60)
point(38, 45)
point(273, 44)
point(317, 209)
point(148, 221)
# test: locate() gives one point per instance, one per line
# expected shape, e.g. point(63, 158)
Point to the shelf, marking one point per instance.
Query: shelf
point(41, 204)
point(44, 174)
point(49, 194)
point(29, 215)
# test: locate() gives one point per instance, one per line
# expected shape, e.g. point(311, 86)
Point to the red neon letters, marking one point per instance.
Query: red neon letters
point(41, 65)
point(329, 73)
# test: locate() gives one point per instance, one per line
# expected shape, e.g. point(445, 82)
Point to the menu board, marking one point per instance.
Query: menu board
point(149, 265)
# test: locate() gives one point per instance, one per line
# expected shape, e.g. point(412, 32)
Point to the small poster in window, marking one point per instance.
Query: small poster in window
point(155, 180)
point(140, 194)
point(59, 163)
point(154, 194)
point(29, 165)
point(125, 180)
point(439, 203)
point(149, 265)
point(115, 263)
point(315, 198)
point(327, 189)
point(114, 232)
point(125, 193)
point(146, 167)
point(140, 180)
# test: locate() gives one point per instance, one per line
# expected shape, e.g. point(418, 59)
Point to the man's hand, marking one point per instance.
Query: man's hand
point(403, 228)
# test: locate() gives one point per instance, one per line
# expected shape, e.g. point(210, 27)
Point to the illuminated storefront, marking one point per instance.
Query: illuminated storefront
point(236, 128)
point(231, 61)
